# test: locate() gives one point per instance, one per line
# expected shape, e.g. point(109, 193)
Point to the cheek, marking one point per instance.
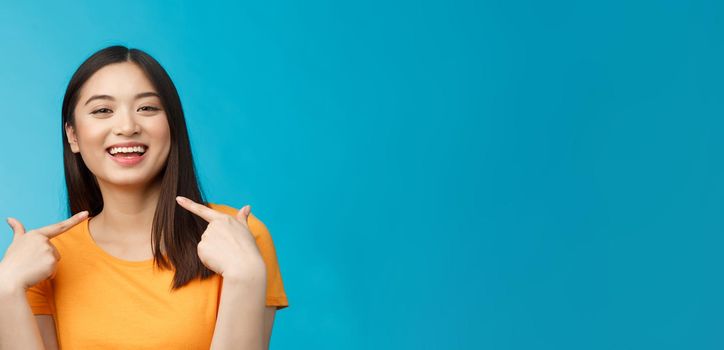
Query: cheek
point(160, 134)
point(90, 138)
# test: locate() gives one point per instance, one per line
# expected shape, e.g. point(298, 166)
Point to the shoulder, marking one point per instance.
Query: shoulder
point(226, 209)
point(72, 234)
point(256, 226)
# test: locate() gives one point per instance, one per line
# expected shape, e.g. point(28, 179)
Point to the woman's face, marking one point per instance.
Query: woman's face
point(118, 106)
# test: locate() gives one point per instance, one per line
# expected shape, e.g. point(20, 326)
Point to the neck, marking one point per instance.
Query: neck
point(127, 214)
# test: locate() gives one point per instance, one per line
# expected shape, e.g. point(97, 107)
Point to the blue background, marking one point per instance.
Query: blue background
point(435, 174)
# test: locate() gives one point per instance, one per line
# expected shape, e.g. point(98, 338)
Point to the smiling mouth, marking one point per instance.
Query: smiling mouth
point(126, 152)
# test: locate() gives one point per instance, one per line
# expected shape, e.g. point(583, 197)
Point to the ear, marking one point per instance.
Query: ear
point(72, 139)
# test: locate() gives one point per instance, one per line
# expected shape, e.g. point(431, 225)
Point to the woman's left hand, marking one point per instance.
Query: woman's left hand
point(227, 247)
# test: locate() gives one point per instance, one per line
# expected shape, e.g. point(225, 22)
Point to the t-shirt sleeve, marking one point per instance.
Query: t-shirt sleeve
point(40, 298)
point(275, 294)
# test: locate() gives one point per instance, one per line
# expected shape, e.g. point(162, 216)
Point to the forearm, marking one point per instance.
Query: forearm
point(240, 320)
point(18, 328)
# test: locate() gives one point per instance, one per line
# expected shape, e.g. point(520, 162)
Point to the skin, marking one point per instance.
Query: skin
point(30, 258)
point(123, 228)
point(228, 247)
point(129, 194)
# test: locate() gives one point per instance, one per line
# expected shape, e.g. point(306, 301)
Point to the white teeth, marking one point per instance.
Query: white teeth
point(135, 149)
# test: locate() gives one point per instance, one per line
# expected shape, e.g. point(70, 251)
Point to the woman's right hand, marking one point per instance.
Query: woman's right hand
point(31, 257)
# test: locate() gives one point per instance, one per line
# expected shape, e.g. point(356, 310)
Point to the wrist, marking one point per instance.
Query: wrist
point(251, 277)
point(8, 284)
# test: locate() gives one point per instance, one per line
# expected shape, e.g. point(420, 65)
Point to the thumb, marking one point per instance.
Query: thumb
point(243, 214)
point(18, 228)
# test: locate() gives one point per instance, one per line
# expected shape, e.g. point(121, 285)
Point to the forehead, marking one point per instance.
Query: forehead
point(121, 80)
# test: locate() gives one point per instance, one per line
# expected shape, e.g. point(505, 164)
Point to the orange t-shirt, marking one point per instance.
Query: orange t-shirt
point(100, 301)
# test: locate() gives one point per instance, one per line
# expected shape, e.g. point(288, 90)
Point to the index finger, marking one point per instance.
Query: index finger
point(53, 230)
point(201, 210)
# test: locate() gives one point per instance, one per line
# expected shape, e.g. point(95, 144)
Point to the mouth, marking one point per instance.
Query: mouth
point(127, 155)
point(127, 152)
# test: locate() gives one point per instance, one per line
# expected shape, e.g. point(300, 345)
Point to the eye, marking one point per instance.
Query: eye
point(148, 109)
point(101, 110)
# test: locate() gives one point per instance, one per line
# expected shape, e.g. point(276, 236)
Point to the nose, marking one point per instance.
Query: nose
point(126, 124)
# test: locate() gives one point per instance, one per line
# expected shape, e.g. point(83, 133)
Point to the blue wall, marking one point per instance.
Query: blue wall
point(436, 175)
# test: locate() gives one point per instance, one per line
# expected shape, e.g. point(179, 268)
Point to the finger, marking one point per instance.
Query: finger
point(53, 230)
point(243, 214)
point(55, 252)
point(18, 228)
point(201, 210)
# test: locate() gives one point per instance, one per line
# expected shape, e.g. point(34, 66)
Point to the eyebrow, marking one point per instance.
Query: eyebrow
point(109, 97)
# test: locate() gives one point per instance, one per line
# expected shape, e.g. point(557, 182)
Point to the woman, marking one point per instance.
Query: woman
point(146, 263)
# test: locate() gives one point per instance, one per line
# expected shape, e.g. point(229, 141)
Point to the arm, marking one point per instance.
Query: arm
point(29, 259)
point(241, 318)
point(229, 248)
point(46, 323)
point(268, 324)
point(18, 328)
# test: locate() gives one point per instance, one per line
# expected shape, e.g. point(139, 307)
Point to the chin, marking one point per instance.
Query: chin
point(127, 182)
point(118, 178)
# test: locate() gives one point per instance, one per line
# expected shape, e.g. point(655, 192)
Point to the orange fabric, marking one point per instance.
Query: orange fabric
point(100, 301)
